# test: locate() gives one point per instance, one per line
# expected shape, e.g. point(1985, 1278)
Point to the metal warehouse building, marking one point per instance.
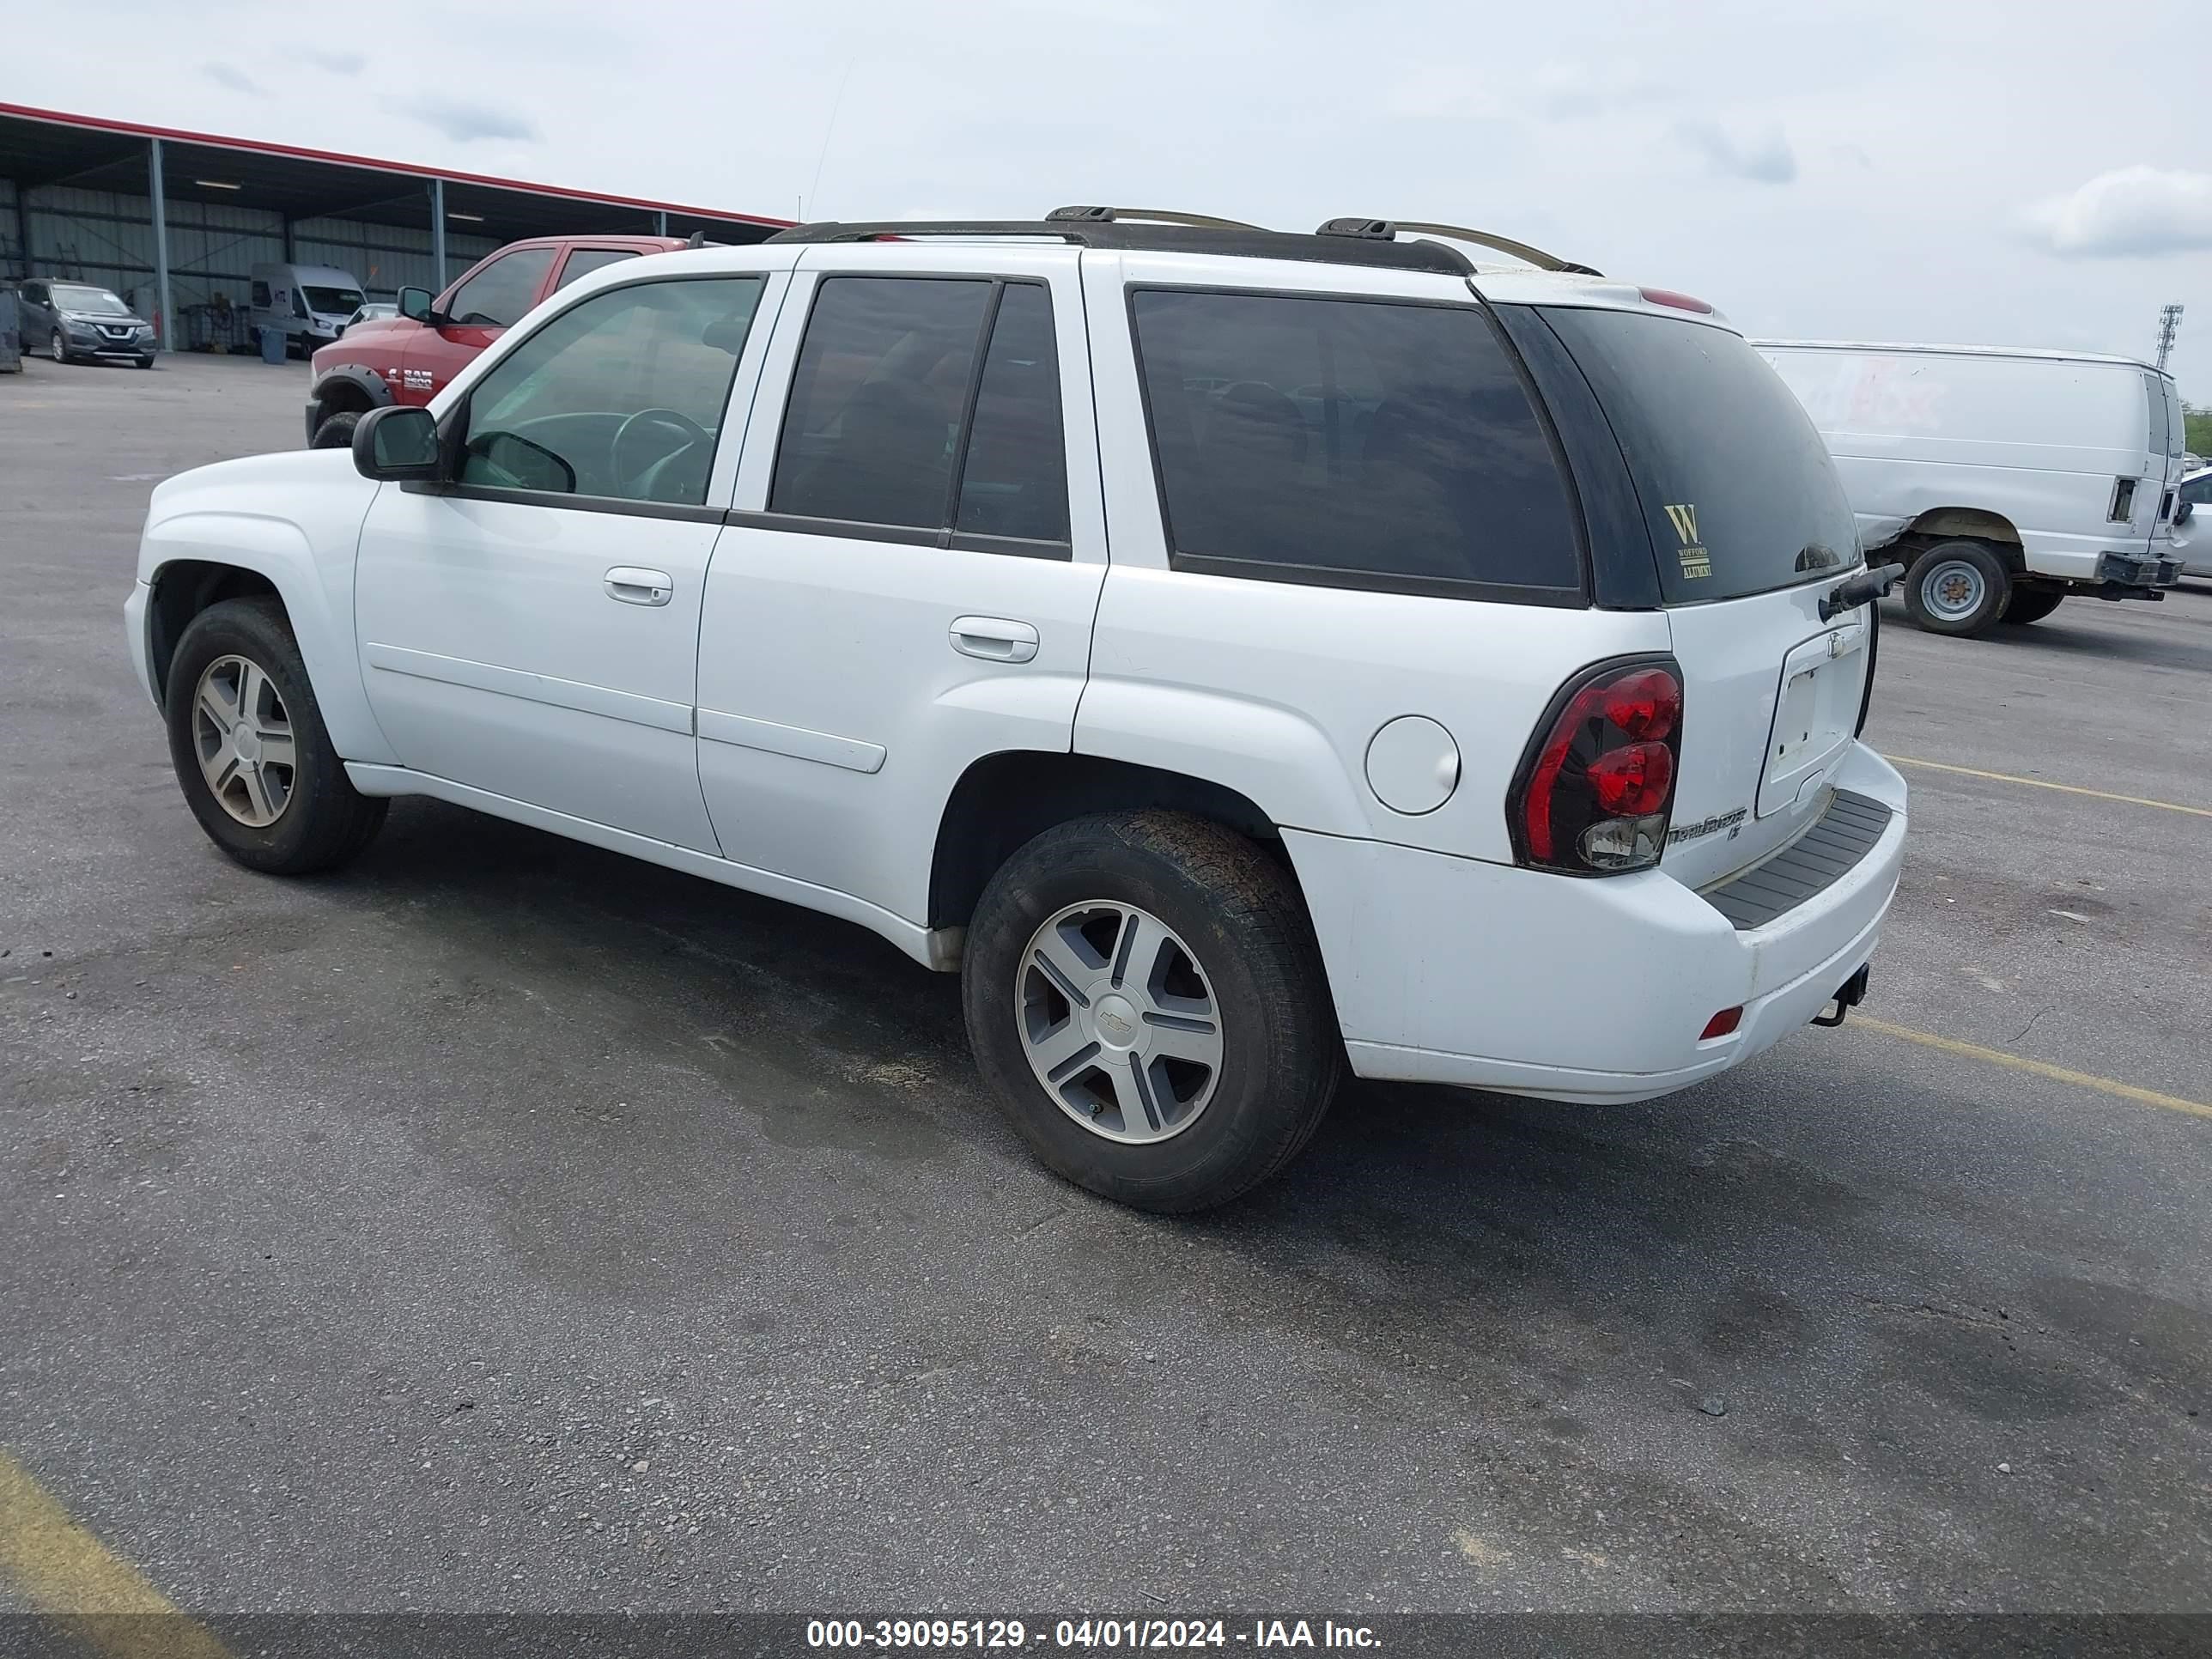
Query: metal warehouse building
point(175, 221)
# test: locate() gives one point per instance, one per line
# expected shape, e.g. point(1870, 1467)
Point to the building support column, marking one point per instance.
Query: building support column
point(161, 203)
point(291, 241)
point(23, 229)
point(660, 222)
point(438, 232)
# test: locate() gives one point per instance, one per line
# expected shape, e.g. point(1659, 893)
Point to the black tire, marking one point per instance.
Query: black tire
point(1240, 916)
point(57, 348)
point(145, 362)
point(336, 430)
point(1939, 568)
point(2031, 605)
point(324, 821)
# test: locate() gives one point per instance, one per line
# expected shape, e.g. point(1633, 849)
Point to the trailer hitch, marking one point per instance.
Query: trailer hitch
point(1848, 996)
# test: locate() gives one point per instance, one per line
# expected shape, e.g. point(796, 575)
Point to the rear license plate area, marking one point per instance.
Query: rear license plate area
point(1814, 714)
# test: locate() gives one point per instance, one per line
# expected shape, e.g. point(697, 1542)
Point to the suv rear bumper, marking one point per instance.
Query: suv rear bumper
point(1453, 971)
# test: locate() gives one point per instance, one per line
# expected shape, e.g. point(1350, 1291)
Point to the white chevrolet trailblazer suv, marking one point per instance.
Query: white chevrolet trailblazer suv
point(1240, 655)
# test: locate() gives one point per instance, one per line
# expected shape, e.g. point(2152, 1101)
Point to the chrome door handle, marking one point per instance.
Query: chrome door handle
point(994, 638)
point(635, 586)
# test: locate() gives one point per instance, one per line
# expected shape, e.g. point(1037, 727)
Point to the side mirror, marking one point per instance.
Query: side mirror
point(2185, 513)
point(417, 304)
point(398, 441)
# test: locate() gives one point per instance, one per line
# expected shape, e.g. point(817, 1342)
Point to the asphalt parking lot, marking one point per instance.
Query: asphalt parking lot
point(505, 1224)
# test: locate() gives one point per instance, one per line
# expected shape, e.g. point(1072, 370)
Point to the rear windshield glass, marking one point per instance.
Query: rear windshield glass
point(1351, 443)
point(1737, 486)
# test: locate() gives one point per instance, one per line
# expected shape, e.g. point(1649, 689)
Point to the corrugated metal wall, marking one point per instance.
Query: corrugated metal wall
point(99, 237)
point(108, 238)
point(386, 258)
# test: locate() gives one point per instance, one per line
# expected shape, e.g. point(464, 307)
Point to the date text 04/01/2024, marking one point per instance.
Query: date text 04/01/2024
point(1092, 1634)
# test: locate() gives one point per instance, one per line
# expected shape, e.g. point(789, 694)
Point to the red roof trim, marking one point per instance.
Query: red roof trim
point(215, 141)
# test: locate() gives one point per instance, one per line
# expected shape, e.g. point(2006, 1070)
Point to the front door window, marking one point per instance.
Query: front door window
point(621, 397)
point(497, 296)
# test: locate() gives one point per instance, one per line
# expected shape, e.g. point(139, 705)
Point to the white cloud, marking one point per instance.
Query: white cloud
point(1766, 159)
point(2130, 210)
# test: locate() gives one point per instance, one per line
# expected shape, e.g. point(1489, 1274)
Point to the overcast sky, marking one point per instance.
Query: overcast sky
point(2021, 173)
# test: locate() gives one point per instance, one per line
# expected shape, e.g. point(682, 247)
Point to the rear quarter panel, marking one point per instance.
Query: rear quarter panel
point(1276, 690)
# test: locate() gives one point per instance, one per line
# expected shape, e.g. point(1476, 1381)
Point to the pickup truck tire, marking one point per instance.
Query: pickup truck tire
point(336, 430)
point(238, 696)
point(1958, 588)
point(2033, 604)
point(1198, 1050)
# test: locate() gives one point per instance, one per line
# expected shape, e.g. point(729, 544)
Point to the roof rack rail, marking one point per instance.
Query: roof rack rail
point(1535, 256)
point(1218, 237)
point(1117, 215)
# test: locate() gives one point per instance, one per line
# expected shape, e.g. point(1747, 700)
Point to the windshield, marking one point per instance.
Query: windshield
point(1736, 484)
point(95, 301)
point(340, 301)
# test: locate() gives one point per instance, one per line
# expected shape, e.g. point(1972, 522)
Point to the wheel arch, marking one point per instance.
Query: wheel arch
point(348, 387)
point(210, 558)
point(182, 589)
point(1004, 800)
point(1944, 523)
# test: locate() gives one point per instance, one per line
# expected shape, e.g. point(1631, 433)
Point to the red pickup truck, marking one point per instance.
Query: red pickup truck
point(408, 358)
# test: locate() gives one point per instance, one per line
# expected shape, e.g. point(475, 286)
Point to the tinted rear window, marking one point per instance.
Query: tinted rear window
point(1737, 486)
point(1352, 442)
point(874, 417)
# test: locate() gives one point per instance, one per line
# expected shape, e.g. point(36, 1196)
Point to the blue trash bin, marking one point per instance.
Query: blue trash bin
point(272, 345)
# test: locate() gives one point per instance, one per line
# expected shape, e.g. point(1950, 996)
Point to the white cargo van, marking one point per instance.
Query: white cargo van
point(2004, 480)
point(308, 304)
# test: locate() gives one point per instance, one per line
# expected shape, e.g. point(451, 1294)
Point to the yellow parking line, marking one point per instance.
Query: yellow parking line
point(2040, 783)
point(2103, 1086)
point(66, 1573)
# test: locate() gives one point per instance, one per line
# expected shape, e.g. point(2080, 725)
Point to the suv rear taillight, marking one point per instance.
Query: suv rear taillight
point(1596, 785)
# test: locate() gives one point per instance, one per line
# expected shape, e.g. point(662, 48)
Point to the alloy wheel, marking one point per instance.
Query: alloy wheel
point(1119, 1021)
point(243, 740)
